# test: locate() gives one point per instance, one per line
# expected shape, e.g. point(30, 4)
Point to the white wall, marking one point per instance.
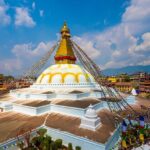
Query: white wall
point(31, 110)
point(55, 96)
point(86, 144)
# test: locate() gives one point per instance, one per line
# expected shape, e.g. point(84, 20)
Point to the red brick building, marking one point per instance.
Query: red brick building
point(144, 87)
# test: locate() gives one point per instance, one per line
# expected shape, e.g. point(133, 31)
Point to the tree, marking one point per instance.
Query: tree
point(42, 141)
point(8, 78)
point(70, 146)
point(1, 76)
point(58, 143)
point(127, 78)
point(78, 148)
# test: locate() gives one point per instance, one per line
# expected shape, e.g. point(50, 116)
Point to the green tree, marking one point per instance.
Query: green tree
point(58, 143)
point(8, 78)
point(70, 146)
point(20, 144)
point(78, 148)
point(1, 76)
point(42, 141)
point(127, 78)
point(53, 146)
point(41, 132)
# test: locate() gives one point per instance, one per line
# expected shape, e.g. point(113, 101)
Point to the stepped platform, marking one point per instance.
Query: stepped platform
point(32, 103)
point(78, 104)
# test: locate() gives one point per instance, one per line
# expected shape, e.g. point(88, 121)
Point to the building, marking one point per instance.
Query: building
point(2, 87)
point(124, 86)
point(1, 84)
point(66, 100)
point(24, 83)
point(112, 79)
point(144, 87)
point(140, 77)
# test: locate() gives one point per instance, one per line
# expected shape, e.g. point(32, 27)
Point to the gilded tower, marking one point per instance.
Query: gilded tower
point(65, 54)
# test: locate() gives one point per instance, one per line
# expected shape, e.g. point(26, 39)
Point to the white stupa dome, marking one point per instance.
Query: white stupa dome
point(65, 79)
point(133, 92)
point(65, 74)
point(91, 112)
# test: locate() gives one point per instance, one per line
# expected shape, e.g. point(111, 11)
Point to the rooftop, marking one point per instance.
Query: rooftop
point(33, 103)
point(71, 125)
point(13, 123)
point(79, 104)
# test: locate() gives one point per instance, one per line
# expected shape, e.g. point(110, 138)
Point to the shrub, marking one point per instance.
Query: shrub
point(41, 132)
point(148, 96)
point(78, 148)
point(48, 138)
point(58, 143)
point(52, 146)
point(70, 146)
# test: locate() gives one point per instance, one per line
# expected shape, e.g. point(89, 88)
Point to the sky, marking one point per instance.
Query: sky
point(115, 33)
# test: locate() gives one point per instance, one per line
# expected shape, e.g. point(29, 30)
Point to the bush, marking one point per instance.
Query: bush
point(58, 143)
point(41, 132)
point(48, 138)
point(52, 146)
point(148, 96)
point(70, 146)
point(78, 148)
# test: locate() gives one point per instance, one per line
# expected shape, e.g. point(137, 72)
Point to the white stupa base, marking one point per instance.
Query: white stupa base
point(28, 94)
point(90, 124)
point(6, 106)
point(66, 86)
point(90, 121)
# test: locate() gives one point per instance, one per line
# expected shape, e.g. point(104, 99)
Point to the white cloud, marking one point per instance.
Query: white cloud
point(33, 5)
point(10, 66)
point(88, 46)
point(41, 13)
point(145, 62)
point(114, 64)
point(29, 54)
point(25, 55)
point(23, 18)
point(137, 16)
point(116, 53)
point(30, 51)
point(4, 17)
point(119, 46)
point(125, 44)
point(143, 47)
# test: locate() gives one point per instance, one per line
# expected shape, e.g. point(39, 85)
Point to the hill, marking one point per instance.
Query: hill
point(128, 70)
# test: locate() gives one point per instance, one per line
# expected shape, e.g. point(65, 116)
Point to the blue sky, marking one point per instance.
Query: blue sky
point(115, 32)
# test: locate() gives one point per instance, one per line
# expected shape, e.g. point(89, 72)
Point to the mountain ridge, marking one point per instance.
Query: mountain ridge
point(127, 69)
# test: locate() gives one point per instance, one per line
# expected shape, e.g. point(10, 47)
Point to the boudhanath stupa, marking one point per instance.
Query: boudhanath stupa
point(64, 77)
point(65, 99)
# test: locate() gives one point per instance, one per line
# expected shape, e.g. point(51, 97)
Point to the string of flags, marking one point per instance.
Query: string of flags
point(133, 134)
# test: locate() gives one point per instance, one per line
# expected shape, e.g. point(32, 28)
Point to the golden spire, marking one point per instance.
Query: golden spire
point(65, 54)
point(65, 30)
